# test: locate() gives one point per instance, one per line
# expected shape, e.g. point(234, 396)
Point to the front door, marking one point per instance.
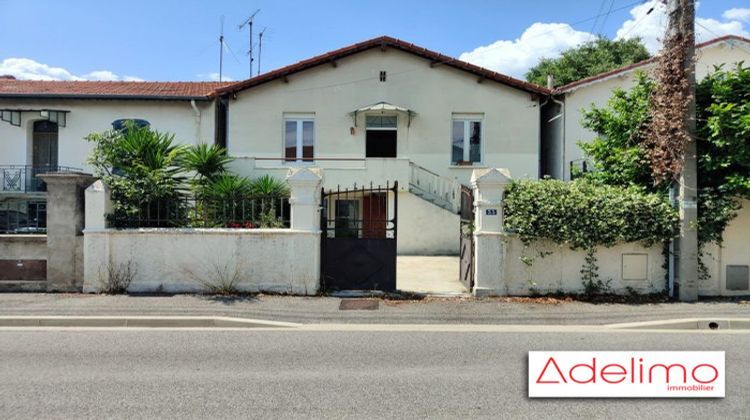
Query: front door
point(380, 137)
point(45, 145)
point(374, 216)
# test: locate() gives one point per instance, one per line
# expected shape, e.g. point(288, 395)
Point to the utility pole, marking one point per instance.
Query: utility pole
point(249, 23)
point(260, 47)
point(681, 15)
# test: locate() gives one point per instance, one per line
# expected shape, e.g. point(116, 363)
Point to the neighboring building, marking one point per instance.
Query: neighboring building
point(562, 125)
point(562, 129)
point(379, 111)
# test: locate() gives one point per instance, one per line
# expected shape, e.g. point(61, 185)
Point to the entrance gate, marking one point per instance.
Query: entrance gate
point(358, 241)
point(467, 238)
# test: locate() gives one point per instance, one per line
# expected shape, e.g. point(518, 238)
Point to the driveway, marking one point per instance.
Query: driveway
point(428, 274)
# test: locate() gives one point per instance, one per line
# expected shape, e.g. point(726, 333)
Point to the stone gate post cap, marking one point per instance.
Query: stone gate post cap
point(80, 178)
point(305, 175)
point(490, 176)
point(98, 186)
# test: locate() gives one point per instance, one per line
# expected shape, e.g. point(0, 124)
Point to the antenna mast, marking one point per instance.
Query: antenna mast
point(221, 49)
point(260, 47)
point(249, 23)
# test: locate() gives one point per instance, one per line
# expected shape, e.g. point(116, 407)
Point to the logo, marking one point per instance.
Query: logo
point(643, 374)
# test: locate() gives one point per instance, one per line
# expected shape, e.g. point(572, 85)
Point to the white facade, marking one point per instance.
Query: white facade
point(427, 101)
point(85, 116)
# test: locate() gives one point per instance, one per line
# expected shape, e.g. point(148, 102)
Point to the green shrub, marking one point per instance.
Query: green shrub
point(584, 214)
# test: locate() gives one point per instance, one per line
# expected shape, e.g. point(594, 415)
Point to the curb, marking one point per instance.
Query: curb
point(140, 322)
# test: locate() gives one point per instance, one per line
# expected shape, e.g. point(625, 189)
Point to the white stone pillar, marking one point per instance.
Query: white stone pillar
point(489, 188)
point(98, 205)
point(305, 184)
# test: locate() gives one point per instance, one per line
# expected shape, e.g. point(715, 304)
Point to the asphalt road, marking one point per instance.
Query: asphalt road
point(326, 374)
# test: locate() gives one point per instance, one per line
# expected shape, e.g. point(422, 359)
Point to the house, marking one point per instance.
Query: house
point(727, 265)
point(376, 112)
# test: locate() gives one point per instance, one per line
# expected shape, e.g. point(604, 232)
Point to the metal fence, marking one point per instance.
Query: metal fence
point(23, 178)
point(23, 216)
point(192, 212)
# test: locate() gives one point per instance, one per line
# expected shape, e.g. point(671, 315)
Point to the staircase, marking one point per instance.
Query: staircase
point(438, 190)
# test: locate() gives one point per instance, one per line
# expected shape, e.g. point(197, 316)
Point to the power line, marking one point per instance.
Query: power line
point(639, 21)
point(609, 11)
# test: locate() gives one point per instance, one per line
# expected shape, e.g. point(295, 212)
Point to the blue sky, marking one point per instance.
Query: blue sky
point(178, 40)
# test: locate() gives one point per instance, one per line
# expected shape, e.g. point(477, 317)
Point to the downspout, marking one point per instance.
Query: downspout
point(562, 136)
point(197, 120)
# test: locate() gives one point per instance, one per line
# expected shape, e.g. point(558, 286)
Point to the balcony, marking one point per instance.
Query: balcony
point(22, 179)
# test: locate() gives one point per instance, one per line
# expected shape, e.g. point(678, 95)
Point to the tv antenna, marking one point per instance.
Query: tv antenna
point(260, 47)
point(249, 23)
point(221, 49)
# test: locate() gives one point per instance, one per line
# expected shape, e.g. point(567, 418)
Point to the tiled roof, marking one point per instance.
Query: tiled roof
point(108, 90)
point(384, 42)
point(605, 75)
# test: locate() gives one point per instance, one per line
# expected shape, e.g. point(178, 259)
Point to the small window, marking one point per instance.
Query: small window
point(121, 124)
point(299, 139)
point(382, 75)
point(347, 219)
point(466, 141)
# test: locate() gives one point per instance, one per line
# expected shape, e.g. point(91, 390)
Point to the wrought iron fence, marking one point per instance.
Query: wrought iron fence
point(23, 178)
point(192, 212)
point(23, 216)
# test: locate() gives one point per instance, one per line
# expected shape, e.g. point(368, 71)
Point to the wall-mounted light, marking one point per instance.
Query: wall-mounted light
point(352, 131)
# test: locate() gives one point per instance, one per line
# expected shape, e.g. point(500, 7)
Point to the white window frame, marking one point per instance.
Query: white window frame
point(467, 119)
point(299, 119)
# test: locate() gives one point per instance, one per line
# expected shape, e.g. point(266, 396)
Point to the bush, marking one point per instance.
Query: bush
point(584, 214)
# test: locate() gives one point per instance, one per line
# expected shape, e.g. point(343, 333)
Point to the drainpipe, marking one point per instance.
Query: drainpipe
point(562, 136)
point(670, 257)
point(197, 120)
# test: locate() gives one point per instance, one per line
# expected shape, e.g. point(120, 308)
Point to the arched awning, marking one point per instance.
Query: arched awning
point(383, 107)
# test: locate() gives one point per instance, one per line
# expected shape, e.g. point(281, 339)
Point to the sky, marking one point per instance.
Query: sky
point(179, 39)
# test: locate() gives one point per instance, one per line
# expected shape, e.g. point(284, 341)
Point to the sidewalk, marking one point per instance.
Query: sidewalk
point(311, 310)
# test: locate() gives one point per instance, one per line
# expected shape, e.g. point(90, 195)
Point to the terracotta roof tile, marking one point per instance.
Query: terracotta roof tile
point(123, 90)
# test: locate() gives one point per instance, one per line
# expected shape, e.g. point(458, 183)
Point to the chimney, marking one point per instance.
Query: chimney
point(7, 77)
point(550, 81)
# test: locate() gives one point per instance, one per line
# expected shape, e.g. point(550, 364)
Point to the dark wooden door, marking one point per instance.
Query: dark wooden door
point(374, 216)
point(45, 145)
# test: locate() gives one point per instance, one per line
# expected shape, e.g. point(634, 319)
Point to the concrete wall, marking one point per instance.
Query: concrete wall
point(511, 117)
point(598, 93)
point(733, 251)
point(87, 116)
point(425, 229)
point(186, 260)
point(558, 268)
point(23, 247)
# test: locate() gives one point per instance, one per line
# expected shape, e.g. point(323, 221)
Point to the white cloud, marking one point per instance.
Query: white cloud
point(737, 14)
point(214, 77)
point(650, 28)
point(28, 69)
point(539, 40)
point(515, 57)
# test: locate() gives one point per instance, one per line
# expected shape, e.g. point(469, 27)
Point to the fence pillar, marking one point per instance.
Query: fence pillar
point(65, 222)
point(305, 184)
point(98, 205)
point(489, 188)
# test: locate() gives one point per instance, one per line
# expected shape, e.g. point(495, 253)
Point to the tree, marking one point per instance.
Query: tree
point(588, 59)
point(620, 152)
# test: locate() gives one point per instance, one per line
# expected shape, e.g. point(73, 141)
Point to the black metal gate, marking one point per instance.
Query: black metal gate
point(358, 249)
point(467, 238)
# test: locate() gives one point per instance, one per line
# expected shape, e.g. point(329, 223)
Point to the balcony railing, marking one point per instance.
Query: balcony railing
point(23, 178)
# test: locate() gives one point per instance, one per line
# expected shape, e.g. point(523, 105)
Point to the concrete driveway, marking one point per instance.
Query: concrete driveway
point(429, 274)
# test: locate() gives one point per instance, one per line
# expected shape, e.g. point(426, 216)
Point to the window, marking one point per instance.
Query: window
point(299, 139)
point(466, 141)
point(122, 124)
point(381, 136)
point(347, 219)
